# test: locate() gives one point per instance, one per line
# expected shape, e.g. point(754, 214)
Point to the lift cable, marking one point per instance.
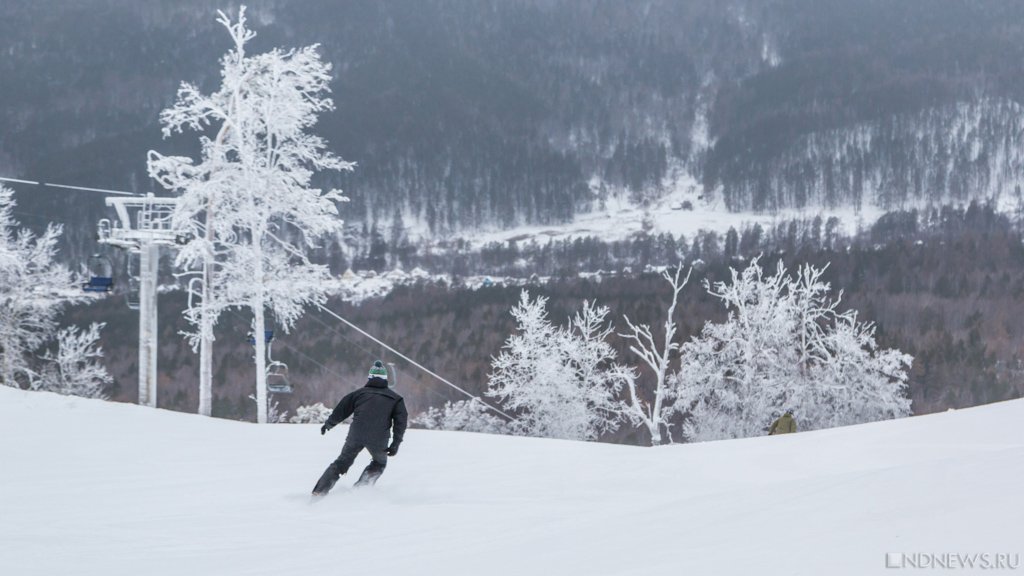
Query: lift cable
point(69, 187)
point(411, 361)
point(356, 344)
point(322, 308)
point(371, 353)
point(324, 368)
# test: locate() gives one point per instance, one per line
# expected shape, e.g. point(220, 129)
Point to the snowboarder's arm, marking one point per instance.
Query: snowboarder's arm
point(399, 420)
point(343, 410)
point(771, 430)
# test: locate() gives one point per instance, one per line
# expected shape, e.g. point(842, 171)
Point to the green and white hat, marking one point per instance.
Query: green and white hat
point(378, 370)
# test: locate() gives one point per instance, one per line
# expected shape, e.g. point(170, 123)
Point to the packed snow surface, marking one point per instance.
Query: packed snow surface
point(95, 488)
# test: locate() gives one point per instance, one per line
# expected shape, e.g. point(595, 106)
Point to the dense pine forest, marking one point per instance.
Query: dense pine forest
point(504, 112)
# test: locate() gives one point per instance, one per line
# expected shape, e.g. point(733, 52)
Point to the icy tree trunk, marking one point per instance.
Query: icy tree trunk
point(259, 327)
point(8, 363)
point(659, 397)
point(206, 377)
point(206, 349)
point(655, 429)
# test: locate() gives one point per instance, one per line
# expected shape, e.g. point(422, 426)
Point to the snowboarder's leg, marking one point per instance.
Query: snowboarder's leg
point(337, 468)
point(375, 469)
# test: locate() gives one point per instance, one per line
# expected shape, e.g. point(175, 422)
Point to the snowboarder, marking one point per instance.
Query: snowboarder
point(377, 410)
point(784, 424)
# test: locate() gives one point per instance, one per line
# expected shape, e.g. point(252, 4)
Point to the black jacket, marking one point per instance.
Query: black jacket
point(375, 409)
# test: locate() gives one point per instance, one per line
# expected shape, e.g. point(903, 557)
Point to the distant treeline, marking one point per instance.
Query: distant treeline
point(945, 285)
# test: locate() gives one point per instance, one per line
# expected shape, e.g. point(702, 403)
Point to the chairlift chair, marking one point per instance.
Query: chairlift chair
point(132, 295)
point(132, 270)
point(277, 378)
point(268, 337)
point(277, 371)
point(101, 274)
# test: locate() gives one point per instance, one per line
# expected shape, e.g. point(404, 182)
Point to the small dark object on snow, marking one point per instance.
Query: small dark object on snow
point(784, 424)
point(377, 411)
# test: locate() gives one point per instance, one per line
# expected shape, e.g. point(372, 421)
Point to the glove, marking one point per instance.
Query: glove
point(324, 429)
point(393, 449)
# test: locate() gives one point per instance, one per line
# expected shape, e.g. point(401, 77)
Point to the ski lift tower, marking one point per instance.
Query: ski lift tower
point(143, 225)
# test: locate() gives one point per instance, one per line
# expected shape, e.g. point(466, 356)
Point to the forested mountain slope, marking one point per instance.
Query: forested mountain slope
point(465, 115)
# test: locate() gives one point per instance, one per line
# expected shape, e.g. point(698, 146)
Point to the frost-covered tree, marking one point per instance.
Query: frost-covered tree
point(311, 414)
point(562, 382)
point(593, 367)
point(76, 369)
point(857, 381)
point(733, 368)
point(654, 413)
point(465, 415)
point(275, 415)
point(33, 290)
point(786, 346)
point(247, 205)
point(529, 377)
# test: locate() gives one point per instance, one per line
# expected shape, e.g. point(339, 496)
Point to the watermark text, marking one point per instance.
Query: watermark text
point(952, 561)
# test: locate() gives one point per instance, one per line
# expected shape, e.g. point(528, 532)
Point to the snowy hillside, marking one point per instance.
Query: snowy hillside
point(947, 154)
point(88, 487)
point(682, 211)
point(466, 117)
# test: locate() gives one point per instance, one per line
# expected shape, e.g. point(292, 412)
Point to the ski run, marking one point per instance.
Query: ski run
point(97, 488)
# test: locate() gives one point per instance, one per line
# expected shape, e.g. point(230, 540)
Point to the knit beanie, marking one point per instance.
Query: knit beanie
point(378, 370)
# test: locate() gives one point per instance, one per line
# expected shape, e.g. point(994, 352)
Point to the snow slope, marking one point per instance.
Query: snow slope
point(89, 487)
point(622, 218)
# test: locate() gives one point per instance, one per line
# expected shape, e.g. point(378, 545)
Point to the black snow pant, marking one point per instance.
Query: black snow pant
point(344, 461)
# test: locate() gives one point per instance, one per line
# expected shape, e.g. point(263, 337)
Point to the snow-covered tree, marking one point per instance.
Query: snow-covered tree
point(311, 414)
point(33, 290)
point(561, 382)
point(76, 369)
point(857, 381)
point(592, 366)
point(733, 369)
point(466, 415)
point(247, 206)
point(528, 376)
point(654, 413)
point(785, 346)
point(275, 415)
